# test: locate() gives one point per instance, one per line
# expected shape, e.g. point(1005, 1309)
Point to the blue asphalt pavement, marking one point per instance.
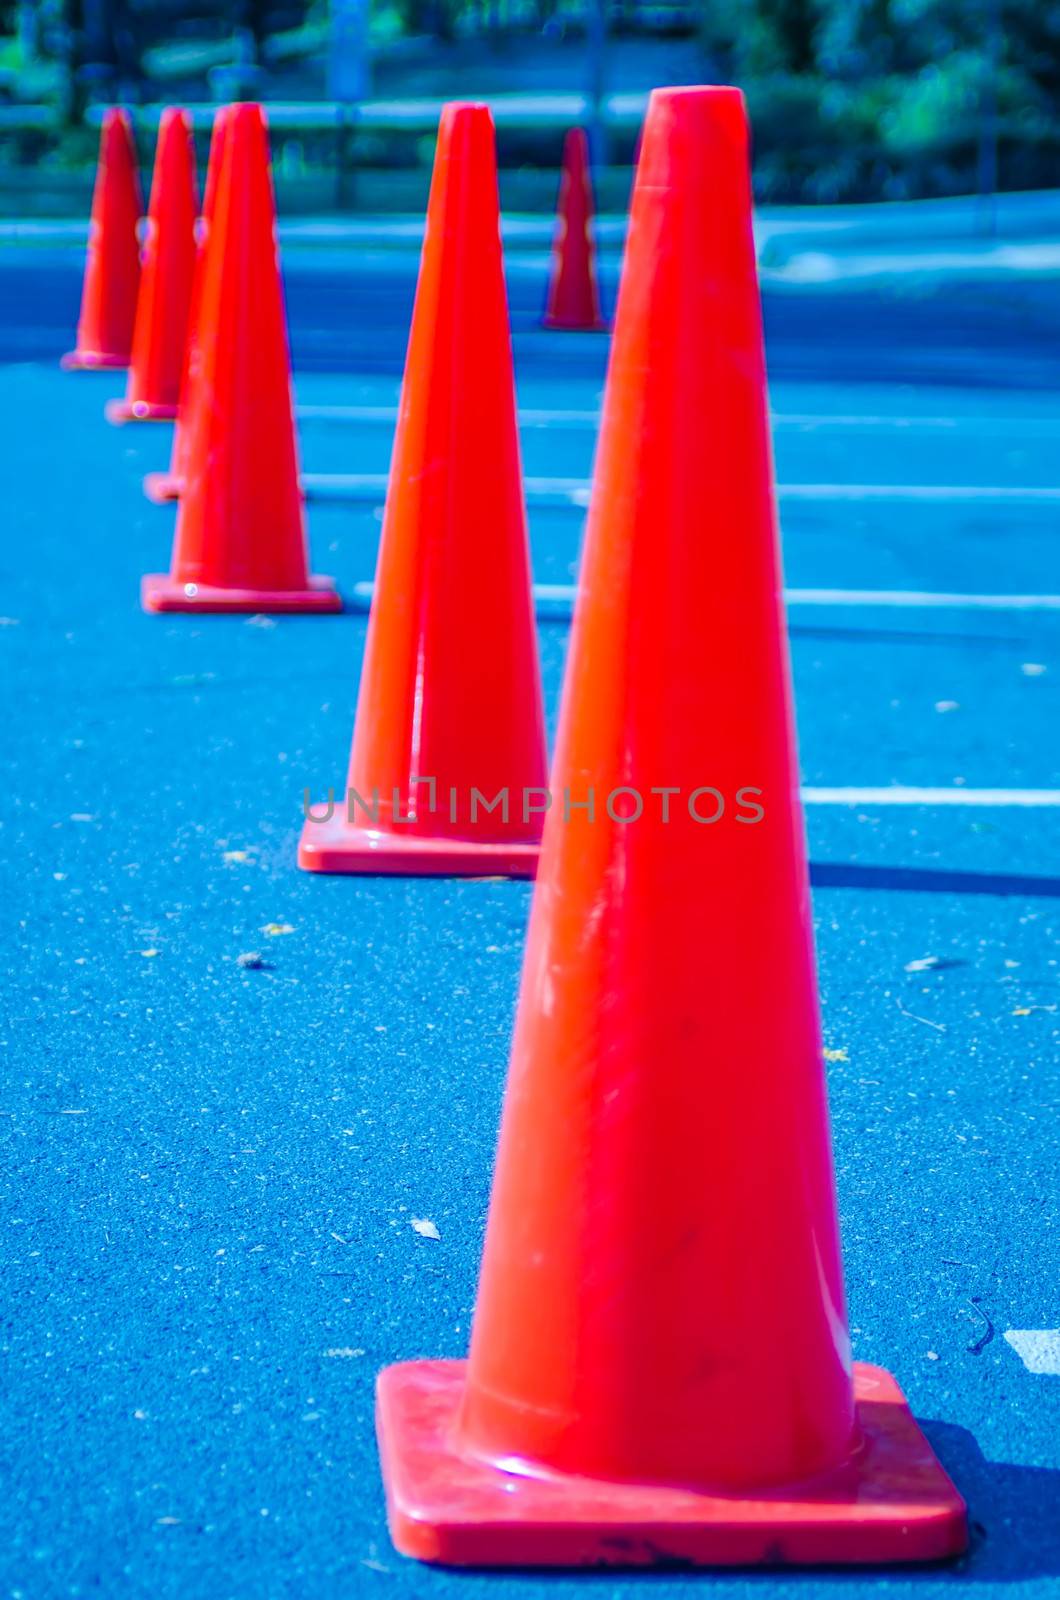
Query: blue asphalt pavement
point(209, 1173)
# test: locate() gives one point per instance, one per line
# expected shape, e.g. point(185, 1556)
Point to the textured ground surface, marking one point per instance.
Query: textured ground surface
point(208, 1174)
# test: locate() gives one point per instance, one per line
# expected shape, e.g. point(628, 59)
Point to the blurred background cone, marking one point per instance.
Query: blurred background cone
point(573, 293)
point(240, 542)
point(160, 333)
point(163, 486)
point(112, 266)
point(450, 696)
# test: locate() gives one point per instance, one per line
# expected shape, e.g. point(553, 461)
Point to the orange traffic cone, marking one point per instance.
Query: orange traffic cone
point(240, 541)
point(163, 486)
point(160, 333)
point(448, 766)
point(112, 268)
point(660, 1367)
point(573, 295)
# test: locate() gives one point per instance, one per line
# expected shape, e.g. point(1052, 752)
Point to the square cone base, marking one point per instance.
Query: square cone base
point(160, 592)
point(161, 487)
point(93, 361)
point(892, 1502)
point(119, 411)
point(336, 845)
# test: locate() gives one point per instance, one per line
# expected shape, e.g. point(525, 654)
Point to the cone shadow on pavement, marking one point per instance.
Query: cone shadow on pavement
point(112, 264)
point(448, 768)
point(660, 1369)
point(168, 261)
point(240, 542)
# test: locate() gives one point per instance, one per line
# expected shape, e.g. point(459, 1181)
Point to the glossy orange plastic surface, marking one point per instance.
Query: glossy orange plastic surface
point(450, 695)
point(160, 333)
point(573, 294)
point(240, 540)
point(165, 486)
point(112, 266)
point(660, 1334)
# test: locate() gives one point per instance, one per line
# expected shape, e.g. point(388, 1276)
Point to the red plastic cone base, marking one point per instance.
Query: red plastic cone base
point(119, 411)
point(161, 487)
point(159, 592)
point(340, 846)
point(894, 1502)
point(93, 361)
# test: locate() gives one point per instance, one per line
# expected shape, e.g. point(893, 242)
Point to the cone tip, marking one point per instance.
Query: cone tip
point(246, 120)
point(173, 117)
point(245, 112)
point(701, 132)
point(116, 119)
point(471, 111)
point(716, 101)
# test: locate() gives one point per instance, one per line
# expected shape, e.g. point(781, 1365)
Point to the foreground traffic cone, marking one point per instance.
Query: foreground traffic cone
point(448, 766)
point(240, 541)
point(160, 334)
point(660, 1368)
point(112, 267)
point(163, 486)
point(573, 295)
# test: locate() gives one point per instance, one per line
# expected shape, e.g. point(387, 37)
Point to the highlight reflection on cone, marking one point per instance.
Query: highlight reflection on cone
point(112, 265)
point(164, 299)
point(450, 697)
point(660, 1367)
point(240, 541)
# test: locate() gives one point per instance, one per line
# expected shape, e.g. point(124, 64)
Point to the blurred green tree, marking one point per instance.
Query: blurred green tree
point(855, 97)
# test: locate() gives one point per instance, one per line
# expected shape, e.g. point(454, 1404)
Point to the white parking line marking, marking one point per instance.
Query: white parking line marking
point(797, 421)
point(919, 599)
point(1037, 1348)
point(371, 486)
point(902, 795)
point(322, 413)
point(918, 491)
point(565, 594)
point(530, 416)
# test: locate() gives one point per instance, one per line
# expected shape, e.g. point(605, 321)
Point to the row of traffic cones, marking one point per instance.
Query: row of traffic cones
point(209, 349)
point(138, 316)
point(660, 1368)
